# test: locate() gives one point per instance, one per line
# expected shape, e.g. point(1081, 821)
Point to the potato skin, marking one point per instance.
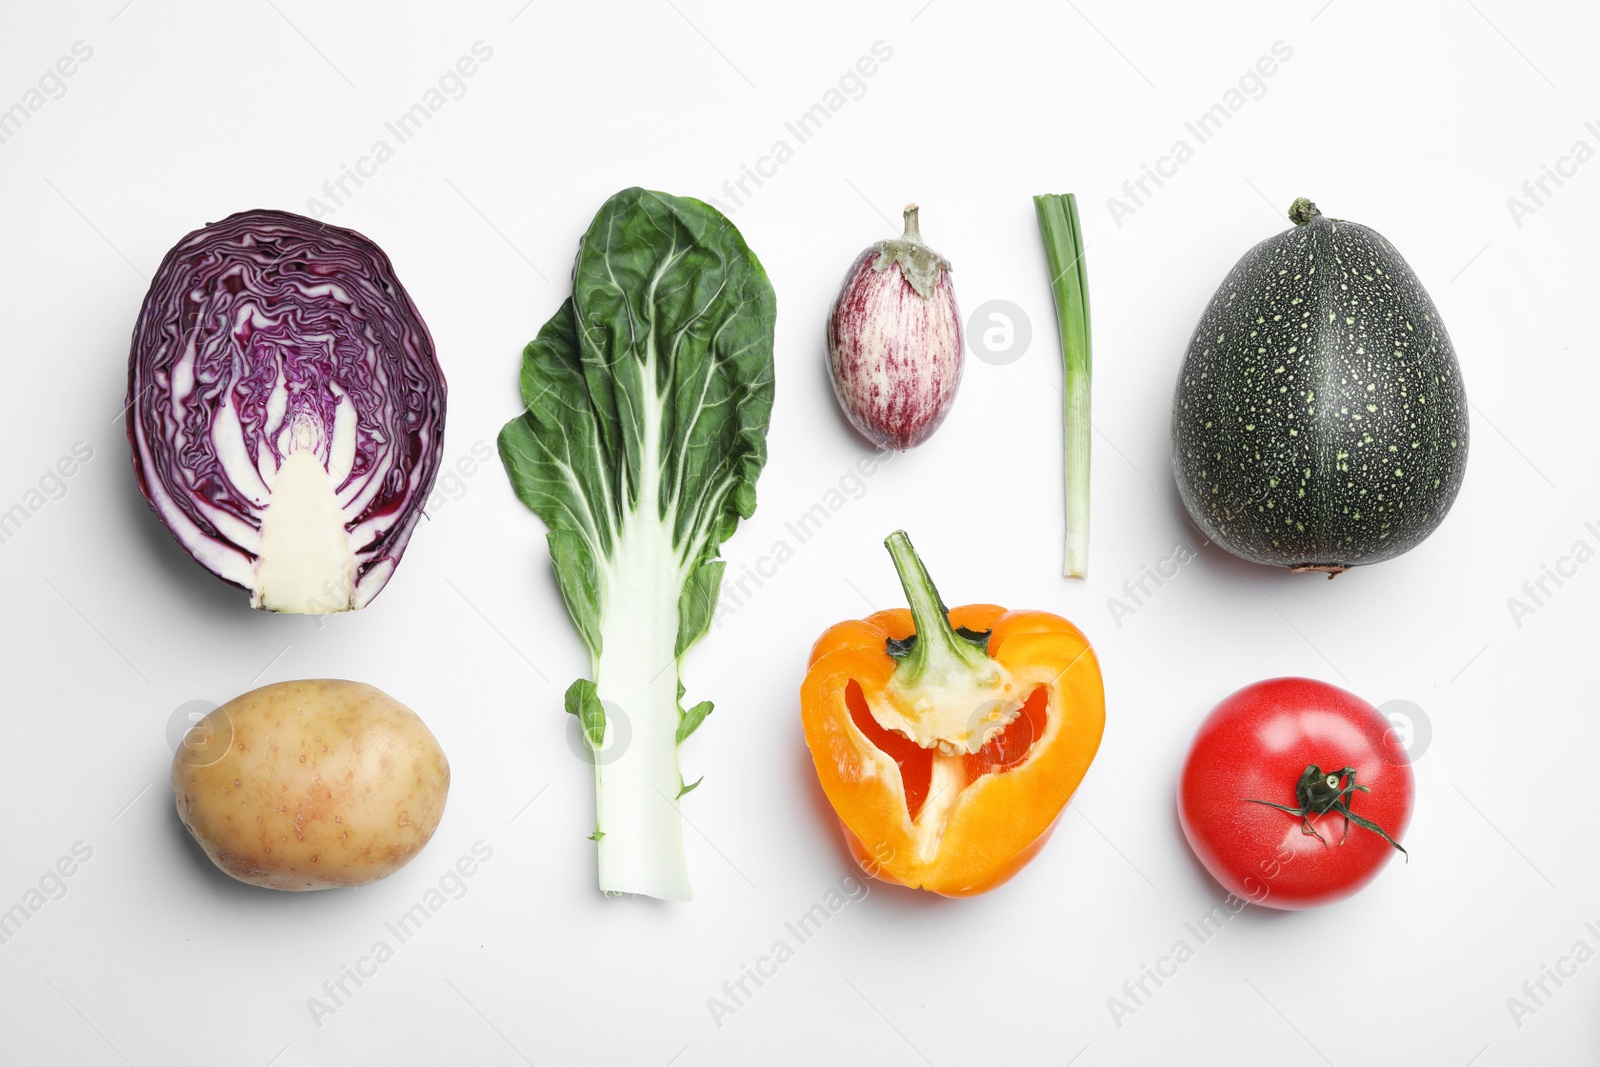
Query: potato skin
point(311, 785)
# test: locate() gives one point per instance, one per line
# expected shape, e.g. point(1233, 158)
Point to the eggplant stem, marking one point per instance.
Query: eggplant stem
point(913, 231)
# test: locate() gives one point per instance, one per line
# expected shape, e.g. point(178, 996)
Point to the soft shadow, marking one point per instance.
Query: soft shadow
point(636, 900)
point(192, 581)
point(900, 897)
point(347, 901)
point(1209, 885)
point(833, 405)
point(200, 591)
point(1222, 562)
point(217, 880)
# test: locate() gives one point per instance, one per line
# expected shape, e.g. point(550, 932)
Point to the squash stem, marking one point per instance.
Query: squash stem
point(1063, 246)
point(1303, 211)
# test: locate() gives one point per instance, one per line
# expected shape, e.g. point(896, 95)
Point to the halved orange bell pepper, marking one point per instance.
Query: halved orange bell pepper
point(949, 741)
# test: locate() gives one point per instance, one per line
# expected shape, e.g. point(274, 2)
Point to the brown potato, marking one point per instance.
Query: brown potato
point(311, 785)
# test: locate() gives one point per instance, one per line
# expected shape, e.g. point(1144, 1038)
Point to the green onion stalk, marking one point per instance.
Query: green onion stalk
point(1063, 246)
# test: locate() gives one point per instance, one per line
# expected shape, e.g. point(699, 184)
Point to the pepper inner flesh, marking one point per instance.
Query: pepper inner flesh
point(955, 712)
point(1005, 749)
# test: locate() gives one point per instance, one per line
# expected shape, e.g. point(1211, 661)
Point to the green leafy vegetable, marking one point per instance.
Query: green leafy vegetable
point(647, 400)
point(1069, 284)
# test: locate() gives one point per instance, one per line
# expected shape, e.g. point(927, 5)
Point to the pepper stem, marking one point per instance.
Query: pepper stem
point(938, 648)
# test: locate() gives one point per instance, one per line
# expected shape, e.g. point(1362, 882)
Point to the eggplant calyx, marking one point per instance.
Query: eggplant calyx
point(919, 264)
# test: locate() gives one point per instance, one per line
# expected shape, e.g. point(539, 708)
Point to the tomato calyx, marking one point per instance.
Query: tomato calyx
point(1319, 792)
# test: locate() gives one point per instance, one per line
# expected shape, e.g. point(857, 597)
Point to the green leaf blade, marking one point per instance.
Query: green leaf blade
point(582, 700)
point(689, 721)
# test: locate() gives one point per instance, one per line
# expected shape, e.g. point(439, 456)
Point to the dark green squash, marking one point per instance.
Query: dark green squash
point(1319, 422)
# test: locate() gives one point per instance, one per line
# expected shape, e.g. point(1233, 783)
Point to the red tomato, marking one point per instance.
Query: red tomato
point(1259, 745)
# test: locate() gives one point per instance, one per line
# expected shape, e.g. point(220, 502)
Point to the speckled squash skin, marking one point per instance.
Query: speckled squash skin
point(311, 785)
point(1320, 419)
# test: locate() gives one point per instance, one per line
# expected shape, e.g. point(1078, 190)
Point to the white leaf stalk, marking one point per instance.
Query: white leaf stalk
point(638, 826)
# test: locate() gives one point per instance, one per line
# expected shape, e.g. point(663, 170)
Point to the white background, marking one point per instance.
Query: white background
point(1418, 120)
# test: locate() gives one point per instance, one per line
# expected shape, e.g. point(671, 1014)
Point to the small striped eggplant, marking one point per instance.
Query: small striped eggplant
point(894, 341)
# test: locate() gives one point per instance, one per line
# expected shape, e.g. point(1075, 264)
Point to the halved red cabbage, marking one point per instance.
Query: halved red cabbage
point(285, 409)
